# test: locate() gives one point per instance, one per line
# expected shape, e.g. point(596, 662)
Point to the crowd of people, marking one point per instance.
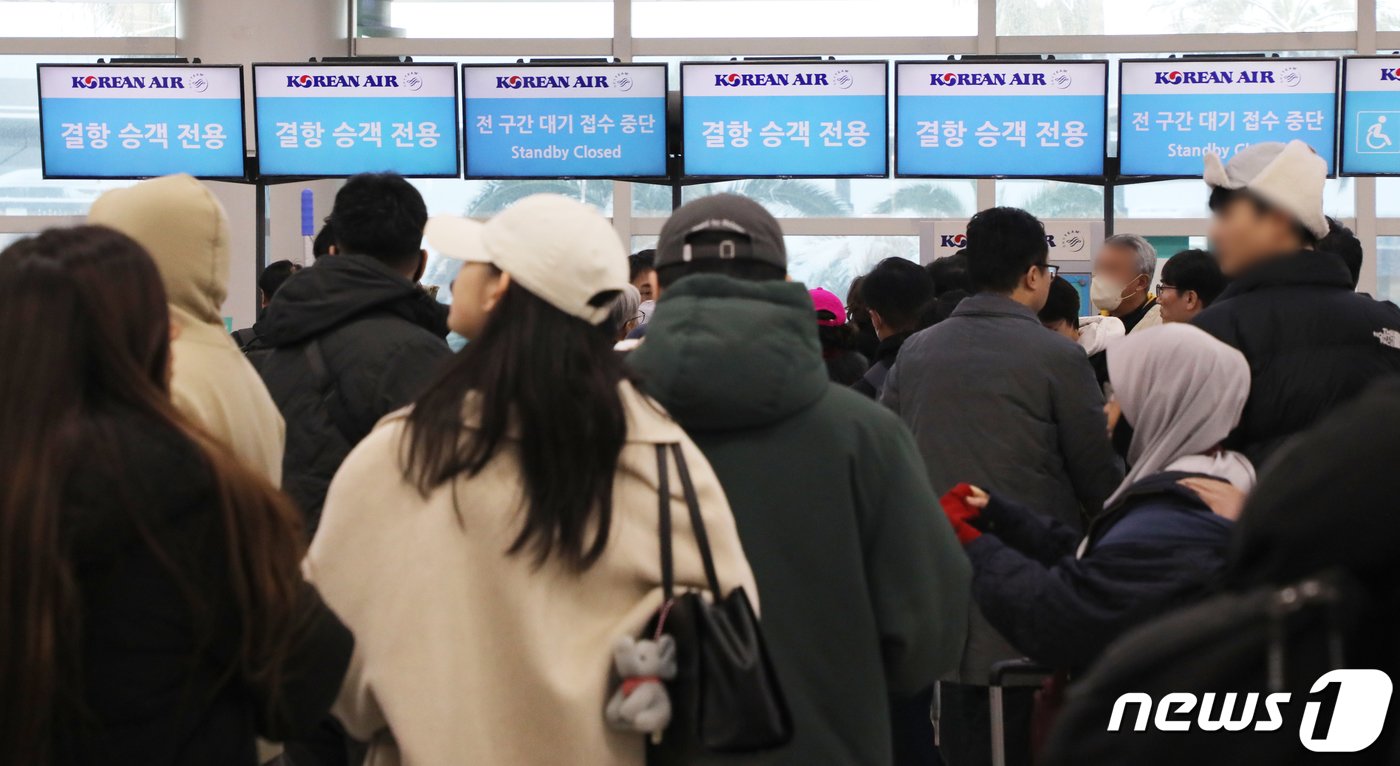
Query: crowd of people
point(327, 539)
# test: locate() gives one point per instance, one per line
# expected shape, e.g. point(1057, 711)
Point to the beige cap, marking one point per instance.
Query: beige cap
point(560, 249)
point(1289, 176)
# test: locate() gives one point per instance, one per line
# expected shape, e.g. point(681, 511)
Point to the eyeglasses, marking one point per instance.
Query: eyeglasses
point(1164, 286)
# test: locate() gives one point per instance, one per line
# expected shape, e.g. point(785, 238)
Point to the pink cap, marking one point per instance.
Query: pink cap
point(825, 300)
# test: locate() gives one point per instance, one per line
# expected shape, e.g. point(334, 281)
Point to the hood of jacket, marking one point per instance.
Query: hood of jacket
point(724, 354)
point(1095, 333)
point(184, 228)
point(342, 288)
point(1308, 267)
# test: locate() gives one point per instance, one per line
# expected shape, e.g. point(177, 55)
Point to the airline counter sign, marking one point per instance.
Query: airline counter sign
point(760, 119)
point(1000, 119)
point(1174, 112)
point(119, 121)
point(1370, 139)
point(337, 120)
point(597, 121)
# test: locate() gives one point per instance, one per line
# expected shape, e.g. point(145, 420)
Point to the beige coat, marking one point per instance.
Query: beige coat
point(184, 228)
point(465, 655)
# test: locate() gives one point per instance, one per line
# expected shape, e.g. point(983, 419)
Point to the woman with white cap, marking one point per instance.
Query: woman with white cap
point(490, 545)
point(1061, 597)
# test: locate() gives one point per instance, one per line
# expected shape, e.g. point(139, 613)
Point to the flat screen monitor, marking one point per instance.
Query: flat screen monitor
point(565, 121)
point(1370, 116)
point(757, 119)
point(331, 120)
point(980, 119)
point(138, 121)
point(1173, 112)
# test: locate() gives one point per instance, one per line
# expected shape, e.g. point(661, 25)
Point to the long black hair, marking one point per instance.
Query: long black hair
point(89, 335)
point(550, 381)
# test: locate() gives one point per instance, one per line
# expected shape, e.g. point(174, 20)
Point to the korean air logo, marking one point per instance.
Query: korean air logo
point(988, 79)
point(319, 81)
point(957, 241)
point(772, 79)
point(547, 82)
point(129, 82)
point(1224, 77)
point(1061, 79)
point(1390, 75)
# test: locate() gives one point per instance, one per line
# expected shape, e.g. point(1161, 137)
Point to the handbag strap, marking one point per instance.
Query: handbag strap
point(697, 524)
point(663, 490)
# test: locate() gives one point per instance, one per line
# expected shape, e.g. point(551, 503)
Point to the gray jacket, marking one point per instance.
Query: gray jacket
point(998, 401)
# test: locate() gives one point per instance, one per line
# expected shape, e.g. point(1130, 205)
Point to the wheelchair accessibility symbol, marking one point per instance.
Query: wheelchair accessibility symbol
point(1377, 132)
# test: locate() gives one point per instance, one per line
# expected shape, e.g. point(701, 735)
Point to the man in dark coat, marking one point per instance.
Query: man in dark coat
point(997, 400)
point(863, 587)
point(353, 338)
point(1311, 342)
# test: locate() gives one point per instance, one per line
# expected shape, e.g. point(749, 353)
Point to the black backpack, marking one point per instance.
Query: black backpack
point(1268, 640)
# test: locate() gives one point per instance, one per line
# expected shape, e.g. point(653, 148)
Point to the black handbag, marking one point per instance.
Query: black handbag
point(725, 696)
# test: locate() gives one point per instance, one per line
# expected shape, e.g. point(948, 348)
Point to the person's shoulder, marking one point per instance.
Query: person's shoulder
point(855, 412)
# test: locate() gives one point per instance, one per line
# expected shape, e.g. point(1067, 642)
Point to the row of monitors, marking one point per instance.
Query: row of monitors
point(749, 119)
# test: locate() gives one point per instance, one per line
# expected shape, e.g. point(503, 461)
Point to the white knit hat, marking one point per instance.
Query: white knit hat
point(560, 249)
point(1289, 176)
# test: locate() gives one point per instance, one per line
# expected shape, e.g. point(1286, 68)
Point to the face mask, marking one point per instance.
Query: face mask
point(1105, 295)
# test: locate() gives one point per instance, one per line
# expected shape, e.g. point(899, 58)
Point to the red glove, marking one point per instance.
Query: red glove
point(960, 514)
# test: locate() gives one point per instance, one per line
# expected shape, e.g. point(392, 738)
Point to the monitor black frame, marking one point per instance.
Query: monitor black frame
point(243, 177)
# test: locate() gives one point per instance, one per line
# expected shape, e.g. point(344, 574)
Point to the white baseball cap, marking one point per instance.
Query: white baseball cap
point(560, 249)
point(1289, 176)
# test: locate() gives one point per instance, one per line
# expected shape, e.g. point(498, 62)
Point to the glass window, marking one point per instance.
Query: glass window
point(23, 190)
point(831, 262)
point(1388, 15)
point(803, 18)
point(1388, 197)
point(1052, 199)
point(1155, 17)
point(828, 198)
point(1186, 198)
point(90, 18)
point(1388, 268)
point(485, 18)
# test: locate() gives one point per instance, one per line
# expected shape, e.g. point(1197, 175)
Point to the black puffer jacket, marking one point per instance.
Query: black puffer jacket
point(160, 680)
point(1159, 545)
point(380, 341)
point(1311, 343)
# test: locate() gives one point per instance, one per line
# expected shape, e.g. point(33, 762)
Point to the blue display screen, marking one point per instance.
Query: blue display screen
point(119, 121)
point(604, 121)
point(337, 120)
point(1172, 113)
point(757, 119)
point(1371, 116)
point(1006, 119)
point(1081, 286)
